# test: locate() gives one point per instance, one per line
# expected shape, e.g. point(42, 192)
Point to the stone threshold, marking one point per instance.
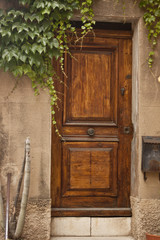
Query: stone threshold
point(94, 238)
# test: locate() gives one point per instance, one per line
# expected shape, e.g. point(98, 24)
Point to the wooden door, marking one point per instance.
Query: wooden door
point(91, 163)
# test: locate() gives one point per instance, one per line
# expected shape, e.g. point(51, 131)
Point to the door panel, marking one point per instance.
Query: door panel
point(91, 162)
point(89, 169)
point(99, 106)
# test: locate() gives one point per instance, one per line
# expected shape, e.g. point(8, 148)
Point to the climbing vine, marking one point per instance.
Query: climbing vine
point(152, 22)
point(33, 33)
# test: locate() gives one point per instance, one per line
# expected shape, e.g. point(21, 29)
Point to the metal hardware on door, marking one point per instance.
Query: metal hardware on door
point(126, 130)
point(122, 91)
point(90, 132)
point(128, 76)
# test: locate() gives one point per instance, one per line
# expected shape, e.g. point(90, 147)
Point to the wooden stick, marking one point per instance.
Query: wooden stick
point(1, 209)
point(12, 223)
point(7, 204)
point(21, 217)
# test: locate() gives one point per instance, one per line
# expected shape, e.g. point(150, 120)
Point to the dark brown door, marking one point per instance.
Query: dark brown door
point(91, 163)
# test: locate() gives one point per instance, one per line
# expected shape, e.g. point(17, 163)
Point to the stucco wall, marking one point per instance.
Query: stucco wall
point(146, 115)
point(146, 217)
point(22, 115)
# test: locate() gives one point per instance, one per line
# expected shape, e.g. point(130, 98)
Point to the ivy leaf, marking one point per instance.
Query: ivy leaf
point(54, 4)
point(5, 33)
point(33, 17)
point(23, 57)
point(38, 60)
point(55, 43)
point(31, 61)
point(40, 4)
point(5, 53)
point(1, 12)
point(49, 35)
point(44, 41)
point(46, 11)
point(31, 34)
point(18, 72)
point(15, 13)
point(26, 48)
point(41, 49)
point(15, 25)
point(26, 68)
point(55, 52)
point(34, 47)
point(157, 13)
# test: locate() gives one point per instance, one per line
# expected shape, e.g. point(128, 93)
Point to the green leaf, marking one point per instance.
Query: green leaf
point(44, 41)
point(23, 58)
point(55, 43)
point(55, 52)
point(26, 68)
point(40, 4)
point(5, 53)
point(5, 33)
point(1, 12)
point(34, 47)
point(46, 11)
point(41, 49)
point(49, 35)
point(18, 72)
point(26, 48)
point(31, 34)
point(54, 4)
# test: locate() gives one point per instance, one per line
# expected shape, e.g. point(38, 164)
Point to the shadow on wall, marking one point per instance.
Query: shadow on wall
point(3, 142)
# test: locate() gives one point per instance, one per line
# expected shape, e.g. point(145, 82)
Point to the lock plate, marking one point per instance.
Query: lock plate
point(126, 130)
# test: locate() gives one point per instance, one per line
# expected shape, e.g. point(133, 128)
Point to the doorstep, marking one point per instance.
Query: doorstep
point(90, 227)
point(93, 238)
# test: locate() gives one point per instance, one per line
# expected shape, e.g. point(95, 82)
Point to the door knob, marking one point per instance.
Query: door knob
point(90, 132)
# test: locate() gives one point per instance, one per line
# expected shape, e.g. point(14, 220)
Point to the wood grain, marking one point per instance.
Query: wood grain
point(89, 169)
point(91, 174)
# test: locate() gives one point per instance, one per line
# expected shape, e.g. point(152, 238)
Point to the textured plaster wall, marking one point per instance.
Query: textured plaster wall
point(37, 221)
point(146, 217)
point(146, 114)
point(22, 115)
point(149, 111)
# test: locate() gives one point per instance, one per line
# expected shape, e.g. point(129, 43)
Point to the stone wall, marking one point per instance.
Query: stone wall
point(145, 217)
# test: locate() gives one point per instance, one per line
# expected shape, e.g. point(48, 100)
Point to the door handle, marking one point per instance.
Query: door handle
point(90, 132)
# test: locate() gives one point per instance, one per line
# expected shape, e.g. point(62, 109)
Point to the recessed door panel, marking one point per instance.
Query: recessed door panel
point(92, 77)
point(83, 103)
point(89, 169)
